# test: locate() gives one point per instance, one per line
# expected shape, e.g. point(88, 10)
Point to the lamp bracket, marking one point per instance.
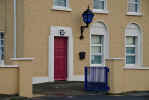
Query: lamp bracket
point(82, 30)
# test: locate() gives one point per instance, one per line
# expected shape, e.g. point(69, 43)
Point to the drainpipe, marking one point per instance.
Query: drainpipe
point(15, 28)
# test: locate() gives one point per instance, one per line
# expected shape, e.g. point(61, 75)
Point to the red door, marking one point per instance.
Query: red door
point(60, 58)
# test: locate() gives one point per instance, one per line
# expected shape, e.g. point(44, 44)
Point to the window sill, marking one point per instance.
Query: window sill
point(61, 8)
point(100, 11)
point(97, 65)
point(8, 66)
point(136, 67)
point(22, 59)
point(134, 14)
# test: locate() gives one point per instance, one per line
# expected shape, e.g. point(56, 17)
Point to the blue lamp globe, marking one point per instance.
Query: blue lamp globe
point(88, 16)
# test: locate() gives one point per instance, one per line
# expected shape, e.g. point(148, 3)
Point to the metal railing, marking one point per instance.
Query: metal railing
point(96, 78)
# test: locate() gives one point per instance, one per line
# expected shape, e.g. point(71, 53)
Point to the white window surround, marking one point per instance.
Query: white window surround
point(96, 30)
point(102, 11)
point(138, 13)
point(137, 33)
point(62, 8)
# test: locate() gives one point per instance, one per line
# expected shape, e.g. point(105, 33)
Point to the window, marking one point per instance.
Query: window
point(100, 4)
point(98, 45)
point(130, 50)
point(1, 47)
point(133, 45)
point(134, 6)
point(97, 42)
point(60, 3)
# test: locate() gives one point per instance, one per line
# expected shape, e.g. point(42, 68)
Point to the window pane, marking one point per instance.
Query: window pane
point(60, 3)
point(130, 40)
point(130, 59)
point(96, 49)
point(99, 4)
point(133, 5)
point(1, 45)
point(96, 59)
point(136, 7)
point(130, 50)
point(96, 39)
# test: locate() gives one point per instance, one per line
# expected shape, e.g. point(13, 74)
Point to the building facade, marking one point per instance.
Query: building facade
point(49, 31)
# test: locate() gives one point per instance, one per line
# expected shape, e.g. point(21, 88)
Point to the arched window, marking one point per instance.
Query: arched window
point(98, 44)
point(133, 44)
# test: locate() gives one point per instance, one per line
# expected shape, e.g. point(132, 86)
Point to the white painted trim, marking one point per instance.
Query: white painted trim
point(136, 67)
point(134, 14)
point(115, 59)
point(38, 80)
point(68, 34)
point(100, 11)
point(15, 28)
point(25, 59)
point(8, 66)
point(61, 8)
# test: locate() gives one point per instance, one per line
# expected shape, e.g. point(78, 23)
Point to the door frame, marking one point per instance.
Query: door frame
point(55, 31)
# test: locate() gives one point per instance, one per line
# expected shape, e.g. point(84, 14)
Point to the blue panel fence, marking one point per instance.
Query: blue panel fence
point(96, 78)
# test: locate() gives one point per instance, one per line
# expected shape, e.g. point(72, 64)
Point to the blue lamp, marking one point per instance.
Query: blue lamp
point(87, 16)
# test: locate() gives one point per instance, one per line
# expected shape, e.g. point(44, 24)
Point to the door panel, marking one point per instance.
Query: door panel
point(60, 58)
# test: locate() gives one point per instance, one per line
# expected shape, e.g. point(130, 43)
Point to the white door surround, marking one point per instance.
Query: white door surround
point(61, 32)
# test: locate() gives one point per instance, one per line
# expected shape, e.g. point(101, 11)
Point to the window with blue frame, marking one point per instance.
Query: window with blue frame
point(134, 6)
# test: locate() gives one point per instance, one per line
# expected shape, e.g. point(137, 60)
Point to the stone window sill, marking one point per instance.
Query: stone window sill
point(136, 67)
point(100, 11)
point(134, 14)
point(56, 8)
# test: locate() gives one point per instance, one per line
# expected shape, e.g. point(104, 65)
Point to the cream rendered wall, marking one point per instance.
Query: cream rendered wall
point(9, 31)
point(9, 83)
point(135, 80)
point(20, 29)
point(39, 17)
point(2, 15)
